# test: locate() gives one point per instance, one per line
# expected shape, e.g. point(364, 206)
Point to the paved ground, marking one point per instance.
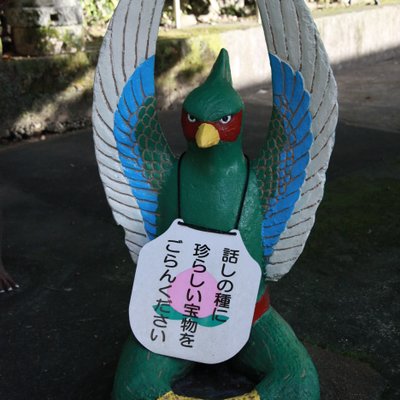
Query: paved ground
point(62, 331)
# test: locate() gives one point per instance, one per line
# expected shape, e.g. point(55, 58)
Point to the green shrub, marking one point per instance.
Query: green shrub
point(98, 11)
point(195, 7)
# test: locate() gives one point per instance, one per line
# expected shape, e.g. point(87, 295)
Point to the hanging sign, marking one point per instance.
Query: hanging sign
point(194, 294)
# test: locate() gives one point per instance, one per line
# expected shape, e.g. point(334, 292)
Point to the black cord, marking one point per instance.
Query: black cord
point(246, 186)
point(240, 208)
point(202, 228)
point(179, 185)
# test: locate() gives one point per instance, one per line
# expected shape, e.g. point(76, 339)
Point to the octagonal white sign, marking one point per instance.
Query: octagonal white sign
point(194, 294)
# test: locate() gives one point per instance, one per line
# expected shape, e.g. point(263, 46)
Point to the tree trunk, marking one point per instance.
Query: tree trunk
point(214, 7)
point(177, 13)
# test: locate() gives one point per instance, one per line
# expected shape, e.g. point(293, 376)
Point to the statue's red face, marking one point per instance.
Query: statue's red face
point(228, 127)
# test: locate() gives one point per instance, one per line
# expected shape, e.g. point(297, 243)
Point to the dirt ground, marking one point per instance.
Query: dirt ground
point(62, 331)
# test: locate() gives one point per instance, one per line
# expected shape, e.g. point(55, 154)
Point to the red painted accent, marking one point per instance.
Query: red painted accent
point(227, 132)
point(262, 306)
point(189, 128)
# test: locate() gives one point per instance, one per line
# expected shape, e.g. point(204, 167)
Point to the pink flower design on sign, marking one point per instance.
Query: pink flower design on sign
point(194, 288)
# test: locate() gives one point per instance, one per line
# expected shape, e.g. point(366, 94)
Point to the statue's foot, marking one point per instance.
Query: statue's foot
point(7, 283)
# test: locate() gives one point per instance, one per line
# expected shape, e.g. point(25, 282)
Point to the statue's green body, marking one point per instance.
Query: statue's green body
point(212, 183)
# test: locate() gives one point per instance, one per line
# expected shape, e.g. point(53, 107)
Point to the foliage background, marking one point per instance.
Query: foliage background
point(98, 11)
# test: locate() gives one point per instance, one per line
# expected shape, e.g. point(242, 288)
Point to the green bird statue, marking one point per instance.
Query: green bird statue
point(270, 200)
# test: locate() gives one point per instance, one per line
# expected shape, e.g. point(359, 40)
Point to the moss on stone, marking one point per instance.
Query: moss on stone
point(41, 41)
point(169, 53)
point(42, 87)
point(183, 63)
point(206, 30)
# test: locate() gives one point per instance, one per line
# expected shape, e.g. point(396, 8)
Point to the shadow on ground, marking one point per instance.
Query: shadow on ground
point(62, 332)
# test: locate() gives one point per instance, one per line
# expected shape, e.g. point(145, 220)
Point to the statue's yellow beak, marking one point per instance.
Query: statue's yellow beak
point(207, 136)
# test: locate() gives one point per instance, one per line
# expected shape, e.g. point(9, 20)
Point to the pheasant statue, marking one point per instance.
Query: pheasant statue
point(271, 200)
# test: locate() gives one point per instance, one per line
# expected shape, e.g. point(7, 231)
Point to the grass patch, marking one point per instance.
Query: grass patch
point(357, 214)
point(206, 30)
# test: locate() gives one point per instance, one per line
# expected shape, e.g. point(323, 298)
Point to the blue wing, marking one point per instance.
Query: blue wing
point(284, 161)
point(142, 148)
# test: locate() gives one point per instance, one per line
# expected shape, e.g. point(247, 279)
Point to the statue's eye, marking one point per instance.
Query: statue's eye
point(191, 118)
point(226, 119)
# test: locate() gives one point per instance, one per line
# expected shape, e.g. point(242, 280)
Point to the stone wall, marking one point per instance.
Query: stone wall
point(361, 34)
point(46, 94)
point(348, 37)
point(43, 27)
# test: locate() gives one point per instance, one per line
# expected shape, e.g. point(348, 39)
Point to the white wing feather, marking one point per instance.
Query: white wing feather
point(291, 35)
point(130, 39)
